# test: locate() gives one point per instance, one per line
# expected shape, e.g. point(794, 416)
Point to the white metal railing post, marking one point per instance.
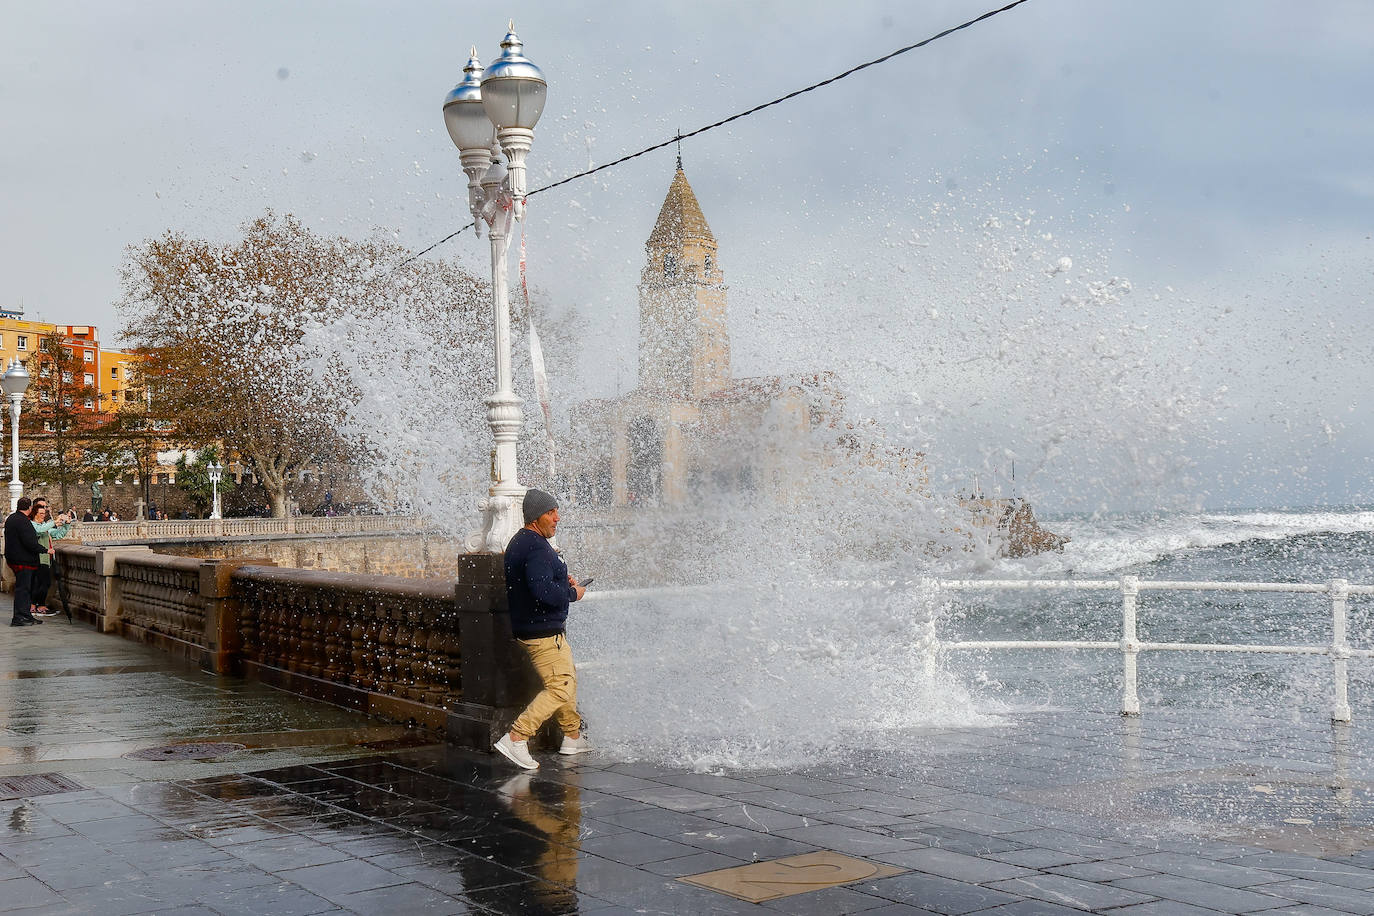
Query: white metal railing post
point(1339, 590)
point(931, 640)
point(1130, 646)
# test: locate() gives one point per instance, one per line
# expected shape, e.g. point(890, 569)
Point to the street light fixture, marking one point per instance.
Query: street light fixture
point(15, 383)
point(490, 114)
point(216, 475)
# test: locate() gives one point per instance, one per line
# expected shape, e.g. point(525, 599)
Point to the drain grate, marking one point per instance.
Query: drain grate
point(12, 787)
point(201, 750)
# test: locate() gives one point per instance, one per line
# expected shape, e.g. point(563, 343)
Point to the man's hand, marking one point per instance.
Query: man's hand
point(580, 592)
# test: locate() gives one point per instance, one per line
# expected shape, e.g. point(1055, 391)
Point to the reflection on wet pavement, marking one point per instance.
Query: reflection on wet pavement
point(327, 811)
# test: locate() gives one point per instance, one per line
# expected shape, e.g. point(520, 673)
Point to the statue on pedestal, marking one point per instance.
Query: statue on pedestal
point(96, 497)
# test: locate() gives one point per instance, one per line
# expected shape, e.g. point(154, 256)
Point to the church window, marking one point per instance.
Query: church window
point(670, 265)
point(710, 262)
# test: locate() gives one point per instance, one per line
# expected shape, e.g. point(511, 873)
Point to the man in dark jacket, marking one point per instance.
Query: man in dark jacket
point(539, 590)
point(21, 553)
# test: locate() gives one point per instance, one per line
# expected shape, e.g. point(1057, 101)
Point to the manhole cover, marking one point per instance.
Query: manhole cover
point(12, 787)
point(202, 750)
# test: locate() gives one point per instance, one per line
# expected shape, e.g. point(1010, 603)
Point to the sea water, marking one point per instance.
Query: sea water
point(796, 671)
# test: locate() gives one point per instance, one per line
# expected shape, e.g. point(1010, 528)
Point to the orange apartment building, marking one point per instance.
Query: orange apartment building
point(106, 370)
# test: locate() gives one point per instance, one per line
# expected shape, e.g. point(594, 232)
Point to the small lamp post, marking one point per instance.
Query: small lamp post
point(216, 475)
point(15, 383)
point(489, 114)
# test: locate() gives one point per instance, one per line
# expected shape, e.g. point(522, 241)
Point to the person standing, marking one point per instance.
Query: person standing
point(21, 553)
point(48, 529)
point(539, 590)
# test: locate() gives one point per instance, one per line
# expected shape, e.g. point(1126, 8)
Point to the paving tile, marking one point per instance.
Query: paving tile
point(756, 817)
point(1035, 857)
point(634, 848)
point(1088, 847)
point(281, 898)
point(692, 865)
point(1066, 891)
point(17, 893)
point(804, 785)
point(884, 802)
point(1347, 899)
point(402, 898)
point(973, 821)
point(1099, 871)
point(1204, 893)
point(793, 802)
point(849, 840)
point(1166, 908)
point(285, 853)
point(339, 878)
point(1305, 909)
point(675, 799)
point(940, 895)
point(955, 865)
point(1193, 867)
point(1030, 908)
point(1310, 868)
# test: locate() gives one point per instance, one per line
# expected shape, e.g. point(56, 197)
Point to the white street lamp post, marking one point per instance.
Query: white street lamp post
point(216, 474)
point(15, 383)
point(489, 114)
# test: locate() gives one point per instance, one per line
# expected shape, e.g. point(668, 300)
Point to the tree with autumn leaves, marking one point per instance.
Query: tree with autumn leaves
point(229, 336)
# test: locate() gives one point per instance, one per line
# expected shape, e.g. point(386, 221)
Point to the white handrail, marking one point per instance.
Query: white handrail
point(1338, 590)
point(1130, 646)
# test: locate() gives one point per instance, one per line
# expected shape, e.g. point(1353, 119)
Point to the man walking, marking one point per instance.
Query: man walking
point(21, 553)
point(539, 590)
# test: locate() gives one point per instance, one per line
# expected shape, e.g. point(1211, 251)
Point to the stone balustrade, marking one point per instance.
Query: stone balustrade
point(392, 637)
point(205, 528)
point(434, 652)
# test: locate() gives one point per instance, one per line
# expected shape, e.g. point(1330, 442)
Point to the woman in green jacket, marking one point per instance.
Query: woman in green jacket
point(49, 530)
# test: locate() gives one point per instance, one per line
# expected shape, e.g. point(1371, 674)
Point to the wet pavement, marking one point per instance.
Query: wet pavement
point(318, 810)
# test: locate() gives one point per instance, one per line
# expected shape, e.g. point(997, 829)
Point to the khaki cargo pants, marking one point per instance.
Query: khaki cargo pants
point(553, 660)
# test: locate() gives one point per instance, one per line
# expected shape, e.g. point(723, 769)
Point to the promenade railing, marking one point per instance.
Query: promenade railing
point(1336, 594)
point(202, 528)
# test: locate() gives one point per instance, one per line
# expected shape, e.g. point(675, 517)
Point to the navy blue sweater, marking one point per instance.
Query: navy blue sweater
point(536, 586)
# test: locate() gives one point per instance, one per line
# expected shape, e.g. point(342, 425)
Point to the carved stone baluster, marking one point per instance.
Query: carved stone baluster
point(386, 651)
point(295, 608)
point(250, 604)
point(359, 641)
point(335, 626)
point(396, 610)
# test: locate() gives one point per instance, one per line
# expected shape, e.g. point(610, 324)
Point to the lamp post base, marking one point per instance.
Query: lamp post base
point(502, 517)
point(16, 491)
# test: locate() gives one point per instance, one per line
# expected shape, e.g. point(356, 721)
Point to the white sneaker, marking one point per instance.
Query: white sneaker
point(572, 746)
point(517, 751)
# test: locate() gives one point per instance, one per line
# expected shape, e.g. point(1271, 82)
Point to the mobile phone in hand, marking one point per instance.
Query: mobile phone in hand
point(584, 583)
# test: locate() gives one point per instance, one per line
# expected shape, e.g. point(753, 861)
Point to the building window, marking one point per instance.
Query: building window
point(90, 379)
point(89, 356)
point(47, 426)
point(114, 372)
point(21, 342)
point(45, 370)
point(44, 396)
point(90, 404)
point(67, 377)
point(66, 402)
point(670, 265)
point(114, 396)
point(709, 264)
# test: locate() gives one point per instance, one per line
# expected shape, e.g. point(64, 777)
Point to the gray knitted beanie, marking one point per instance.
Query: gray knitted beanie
point(537, 502)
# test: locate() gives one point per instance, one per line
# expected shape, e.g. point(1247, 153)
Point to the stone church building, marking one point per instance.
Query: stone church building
point(690, 428)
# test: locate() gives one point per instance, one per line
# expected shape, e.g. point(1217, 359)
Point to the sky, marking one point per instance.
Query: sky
point(1203, 168)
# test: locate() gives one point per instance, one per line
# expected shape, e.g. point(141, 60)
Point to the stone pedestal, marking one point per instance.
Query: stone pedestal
point(497, 677)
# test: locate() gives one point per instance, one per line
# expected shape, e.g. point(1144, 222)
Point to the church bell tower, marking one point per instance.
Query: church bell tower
point(684, 345)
